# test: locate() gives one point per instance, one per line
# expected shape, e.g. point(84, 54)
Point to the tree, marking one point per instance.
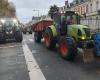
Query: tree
point(53, 10)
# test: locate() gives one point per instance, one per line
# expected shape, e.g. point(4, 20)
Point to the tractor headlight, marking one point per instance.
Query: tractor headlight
point(7, 32)
point(3, 21)
point(83, 38)
point(11, 32)
point(14, 20)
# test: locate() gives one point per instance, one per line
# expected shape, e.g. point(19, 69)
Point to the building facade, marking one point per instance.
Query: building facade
point(89, 8)
point(7, 9)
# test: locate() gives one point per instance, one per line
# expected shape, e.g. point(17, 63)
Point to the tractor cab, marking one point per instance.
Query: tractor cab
point(69, 18)
point(62, 20)
point(72, 17)
point(68, 24)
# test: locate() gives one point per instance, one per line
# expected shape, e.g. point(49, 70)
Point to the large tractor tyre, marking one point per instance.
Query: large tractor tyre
point(18, 37)
point(37, 37)
point(48, 39)
point(67, 48)
point(2, 41)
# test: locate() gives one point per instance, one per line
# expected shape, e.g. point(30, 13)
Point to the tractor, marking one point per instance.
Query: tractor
point(66, 31)
point(10, 29)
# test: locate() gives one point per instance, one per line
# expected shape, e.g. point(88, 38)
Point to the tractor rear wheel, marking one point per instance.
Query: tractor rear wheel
point(2, 41)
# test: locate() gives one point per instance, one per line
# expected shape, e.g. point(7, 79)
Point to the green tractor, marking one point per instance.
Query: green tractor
point(10, 29)
point(68, 33)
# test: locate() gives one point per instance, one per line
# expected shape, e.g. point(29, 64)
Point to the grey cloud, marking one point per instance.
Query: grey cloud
point(25, 7)
point(36, 3)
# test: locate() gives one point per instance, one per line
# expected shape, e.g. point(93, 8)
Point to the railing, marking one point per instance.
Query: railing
point(91, 23)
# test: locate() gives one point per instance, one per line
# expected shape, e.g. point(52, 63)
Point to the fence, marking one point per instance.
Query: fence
point(91, 23)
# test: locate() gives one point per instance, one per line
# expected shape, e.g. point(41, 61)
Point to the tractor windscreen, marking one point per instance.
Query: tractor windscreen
point(57, 19)
point(10, 23)
point(72, 17)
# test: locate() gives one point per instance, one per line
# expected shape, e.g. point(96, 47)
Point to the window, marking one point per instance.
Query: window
point(97, 5)
point(86, 8)
point(69, 29)
point(91, 7)
point(87, 32)
point(79, 32)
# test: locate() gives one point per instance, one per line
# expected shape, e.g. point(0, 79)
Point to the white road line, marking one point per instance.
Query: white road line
point(31, 40)
point(35, 72)
point(3, 47)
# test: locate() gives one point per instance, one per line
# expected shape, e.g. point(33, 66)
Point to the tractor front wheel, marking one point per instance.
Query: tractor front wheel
point(67, 50)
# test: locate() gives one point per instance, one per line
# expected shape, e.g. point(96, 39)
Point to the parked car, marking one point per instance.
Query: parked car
point(27, 30)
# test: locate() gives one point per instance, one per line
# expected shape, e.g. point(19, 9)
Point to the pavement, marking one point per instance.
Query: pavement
point(32, 61)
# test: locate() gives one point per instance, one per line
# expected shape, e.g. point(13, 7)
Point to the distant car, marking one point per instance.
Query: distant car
point(10, 29)
point(28, 29)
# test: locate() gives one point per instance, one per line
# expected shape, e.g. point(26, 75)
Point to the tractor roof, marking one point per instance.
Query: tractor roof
point(79, 26)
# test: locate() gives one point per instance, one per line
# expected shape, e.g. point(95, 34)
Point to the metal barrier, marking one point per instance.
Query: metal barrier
point(91, 23)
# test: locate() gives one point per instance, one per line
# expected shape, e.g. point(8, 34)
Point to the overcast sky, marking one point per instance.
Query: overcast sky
point(25, 7)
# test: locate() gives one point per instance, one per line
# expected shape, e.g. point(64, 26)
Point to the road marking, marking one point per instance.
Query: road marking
point(6, 46)
point(31, 40)
point(35, 72)
point(34, 51)
point(24, 40)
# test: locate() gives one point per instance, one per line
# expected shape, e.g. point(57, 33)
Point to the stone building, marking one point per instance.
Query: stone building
point(89, 8)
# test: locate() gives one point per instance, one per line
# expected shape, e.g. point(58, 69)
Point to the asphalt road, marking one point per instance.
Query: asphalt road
point(12, 62)
point(56, 68)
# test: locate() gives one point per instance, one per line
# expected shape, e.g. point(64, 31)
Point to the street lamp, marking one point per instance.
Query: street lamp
point(37, 11)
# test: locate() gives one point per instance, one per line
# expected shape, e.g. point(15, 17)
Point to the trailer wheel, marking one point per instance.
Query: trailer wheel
point(48, 39)
point(67, 50)
point(37, 37)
